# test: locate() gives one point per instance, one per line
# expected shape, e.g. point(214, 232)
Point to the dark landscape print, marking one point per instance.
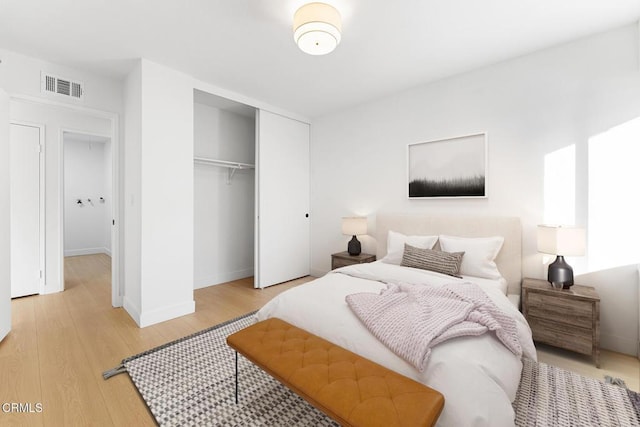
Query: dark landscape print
point(457, 187)
point(453, 167)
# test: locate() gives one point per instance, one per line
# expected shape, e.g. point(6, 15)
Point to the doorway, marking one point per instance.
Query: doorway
point(87, 200)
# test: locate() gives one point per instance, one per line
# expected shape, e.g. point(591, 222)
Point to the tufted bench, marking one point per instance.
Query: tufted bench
point(349, 388)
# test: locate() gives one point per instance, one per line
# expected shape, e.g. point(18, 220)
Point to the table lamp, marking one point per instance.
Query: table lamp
point(353, 226)
point(561, 241)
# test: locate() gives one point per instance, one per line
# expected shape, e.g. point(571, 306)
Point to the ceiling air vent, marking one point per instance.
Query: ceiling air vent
point(60, 86)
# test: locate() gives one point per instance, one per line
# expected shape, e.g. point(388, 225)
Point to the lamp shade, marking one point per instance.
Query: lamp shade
point(316, 28)
point(560, 240)
point(354, 226)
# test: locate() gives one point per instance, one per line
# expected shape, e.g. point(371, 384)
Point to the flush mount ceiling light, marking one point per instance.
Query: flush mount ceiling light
point(316, 28)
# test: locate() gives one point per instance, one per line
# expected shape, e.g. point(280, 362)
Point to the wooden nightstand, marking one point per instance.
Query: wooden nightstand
point(342, 259)
point(565, 318)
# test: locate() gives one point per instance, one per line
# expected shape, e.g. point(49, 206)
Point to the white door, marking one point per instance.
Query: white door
point(282, 199)
point(5, 231)
point(26, 271)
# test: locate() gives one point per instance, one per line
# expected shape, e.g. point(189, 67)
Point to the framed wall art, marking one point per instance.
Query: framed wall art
point(448, 168)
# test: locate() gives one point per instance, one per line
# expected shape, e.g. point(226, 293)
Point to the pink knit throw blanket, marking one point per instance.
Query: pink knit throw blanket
point(411, 319)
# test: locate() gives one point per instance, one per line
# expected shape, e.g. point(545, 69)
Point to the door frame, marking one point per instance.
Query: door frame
point(117, 291)
point(41, 200)
point(111, 195)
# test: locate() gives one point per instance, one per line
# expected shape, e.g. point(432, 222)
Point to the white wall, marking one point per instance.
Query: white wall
point(158, 199)
point(55, 119)
point(167, 142)
point(223, 212)
point(20, 75)
point(132, 300)
point(159, 192)
point(530, 106)
point(5, 244)
point(85, 173)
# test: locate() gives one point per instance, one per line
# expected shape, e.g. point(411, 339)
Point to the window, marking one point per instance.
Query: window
point(614, 198)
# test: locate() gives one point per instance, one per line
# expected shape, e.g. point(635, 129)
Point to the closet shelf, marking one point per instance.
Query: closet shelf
point(232, 166)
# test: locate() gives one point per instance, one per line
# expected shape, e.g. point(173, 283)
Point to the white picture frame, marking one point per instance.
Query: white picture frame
point(448, 168)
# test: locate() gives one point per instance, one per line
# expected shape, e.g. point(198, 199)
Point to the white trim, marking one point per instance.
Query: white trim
point(116, 297)
point(117, 286)
point(61, 185)
point(87, 110)
point(618, 344)
point(148, 318)
point(203, 282)
point(86, 251)
point(131, 309)
point(256, 206)
point(82, 251)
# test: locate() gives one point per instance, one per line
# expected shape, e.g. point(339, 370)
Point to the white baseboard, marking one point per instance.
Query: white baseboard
point(317, 272)
point(118, 302)
point(133, 311)
point(203, 282)
point(86, 251)
point(51, 286)
point(618, 344)
point(515, 300)
point(151, 317)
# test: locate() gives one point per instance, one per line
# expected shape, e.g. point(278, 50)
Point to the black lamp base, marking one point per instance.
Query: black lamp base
point(560, 273)
point(354, 247)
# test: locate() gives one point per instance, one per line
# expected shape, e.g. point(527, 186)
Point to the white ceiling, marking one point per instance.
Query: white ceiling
point(247, 45)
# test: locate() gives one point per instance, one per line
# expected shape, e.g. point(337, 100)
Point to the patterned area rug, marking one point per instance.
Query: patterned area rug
point(550, 396)
point(191, 382)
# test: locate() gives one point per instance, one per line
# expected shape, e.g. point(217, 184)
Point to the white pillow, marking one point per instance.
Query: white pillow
point(396, 241)
point(479, 253)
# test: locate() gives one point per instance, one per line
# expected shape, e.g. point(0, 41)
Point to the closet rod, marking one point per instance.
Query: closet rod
point(232, 166)
point(223, 163)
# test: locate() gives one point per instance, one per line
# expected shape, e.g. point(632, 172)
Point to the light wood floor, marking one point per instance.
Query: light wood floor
point(616, 365)
point(61, 343)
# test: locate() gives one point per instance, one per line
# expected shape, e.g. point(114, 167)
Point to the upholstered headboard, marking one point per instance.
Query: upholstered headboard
point(509, 260)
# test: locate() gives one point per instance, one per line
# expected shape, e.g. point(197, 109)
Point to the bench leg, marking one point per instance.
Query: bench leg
point(236, 377)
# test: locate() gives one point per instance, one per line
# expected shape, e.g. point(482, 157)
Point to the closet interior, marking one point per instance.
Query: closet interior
point(224, 189)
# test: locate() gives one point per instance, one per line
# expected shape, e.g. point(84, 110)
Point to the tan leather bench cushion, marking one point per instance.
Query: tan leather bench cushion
point(349, 388)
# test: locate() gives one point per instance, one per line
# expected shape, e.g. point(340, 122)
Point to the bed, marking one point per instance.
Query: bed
point(477, 375)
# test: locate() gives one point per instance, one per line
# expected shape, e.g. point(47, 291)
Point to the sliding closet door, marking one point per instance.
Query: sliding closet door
point(282, 199)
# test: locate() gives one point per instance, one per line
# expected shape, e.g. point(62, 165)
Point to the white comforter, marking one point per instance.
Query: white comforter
point(478, 376)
